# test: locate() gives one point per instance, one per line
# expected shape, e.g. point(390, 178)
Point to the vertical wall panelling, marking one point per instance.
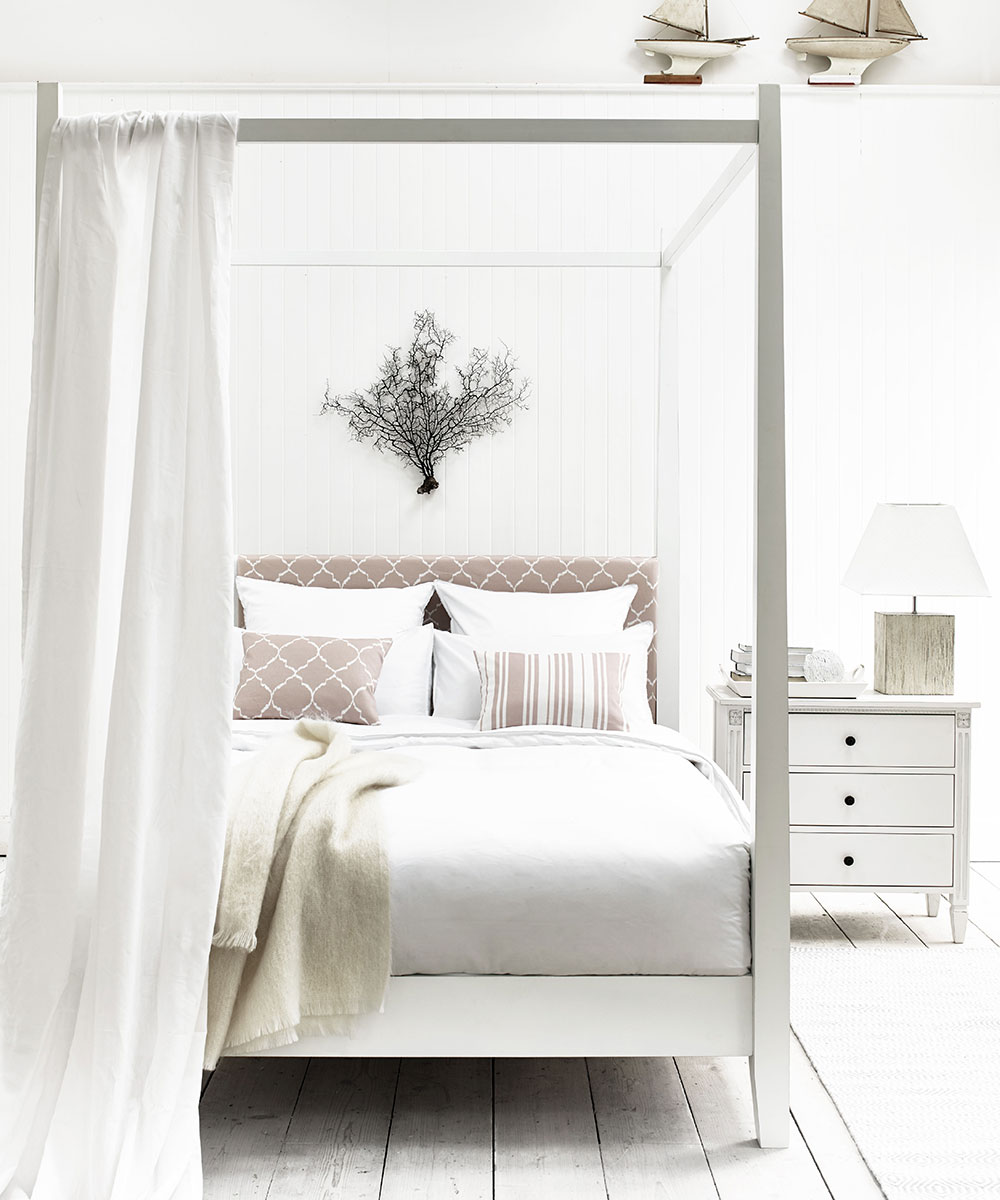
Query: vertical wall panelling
point(892, 262)
point(575, 472)
point(17, 223)
point(893, 257)
point(715, 313)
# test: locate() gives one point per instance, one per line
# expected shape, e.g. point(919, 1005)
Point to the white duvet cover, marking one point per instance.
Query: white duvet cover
point(554, 851)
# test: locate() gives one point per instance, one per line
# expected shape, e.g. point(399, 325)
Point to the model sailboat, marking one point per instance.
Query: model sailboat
point(885, 28)
point(687, 55)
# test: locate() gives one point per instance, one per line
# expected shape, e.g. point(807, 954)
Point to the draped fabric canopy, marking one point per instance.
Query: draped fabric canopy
point(123, 738)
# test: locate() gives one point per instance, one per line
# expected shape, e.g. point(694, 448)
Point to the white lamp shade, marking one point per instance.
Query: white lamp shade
point(915, 550)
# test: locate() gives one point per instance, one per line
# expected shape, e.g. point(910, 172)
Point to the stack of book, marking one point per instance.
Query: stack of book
point(742, 657)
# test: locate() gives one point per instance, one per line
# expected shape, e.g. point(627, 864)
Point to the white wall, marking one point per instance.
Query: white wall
point(576, 472)
point(893, 257)
point(519, 41)
point(715, 364)
point(893, 285)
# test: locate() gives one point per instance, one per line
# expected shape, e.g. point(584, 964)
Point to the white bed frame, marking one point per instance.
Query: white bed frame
point(494, 1016)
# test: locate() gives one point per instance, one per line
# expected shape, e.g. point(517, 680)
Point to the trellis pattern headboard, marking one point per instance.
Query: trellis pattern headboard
point(509, 574)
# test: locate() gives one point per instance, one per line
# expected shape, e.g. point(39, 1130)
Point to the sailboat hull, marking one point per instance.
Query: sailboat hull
point(849, 57)
point(686, 57)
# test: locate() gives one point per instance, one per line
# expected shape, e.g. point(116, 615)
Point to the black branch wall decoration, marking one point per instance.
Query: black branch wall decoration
point(411, 411)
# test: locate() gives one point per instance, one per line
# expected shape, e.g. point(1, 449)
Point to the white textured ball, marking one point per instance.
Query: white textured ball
point(823, 666)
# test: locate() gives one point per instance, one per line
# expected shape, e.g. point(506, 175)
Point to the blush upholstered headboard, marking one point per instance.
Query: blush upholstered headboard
point(508, 574)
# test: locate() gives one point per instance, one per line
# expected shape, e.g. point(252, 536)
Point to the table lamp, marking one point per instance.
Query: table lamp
point(915, 550)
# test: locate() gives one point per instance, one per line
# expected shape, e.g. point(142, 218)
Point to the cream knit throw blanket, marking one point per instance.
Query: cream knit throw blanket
point(302, 939)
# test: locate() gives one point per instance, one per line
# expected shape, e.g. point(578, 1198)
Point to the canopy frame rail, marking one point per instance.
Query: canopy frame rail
point(714, 200)
point(491, 259)
point(496, 130)
point(760, 141)
point(48, 102)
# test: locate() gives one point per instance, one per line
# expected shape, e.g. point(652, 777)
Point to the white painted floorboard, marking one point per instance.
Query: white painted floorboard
point(650, 1145)
point(336, 1146)
point(596, 1129)
point(984, 905)
point(441, 1138)
point(521, 1129)
point(246, 1113)
point(546, 1133)
point(845, 1172)
point(988, 870)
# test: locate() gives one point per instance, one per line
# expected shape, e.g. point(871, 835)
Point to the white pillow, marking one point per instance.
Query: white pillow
point(456, 676)
point(404, 686)
point(478, 613)
point(270, 607)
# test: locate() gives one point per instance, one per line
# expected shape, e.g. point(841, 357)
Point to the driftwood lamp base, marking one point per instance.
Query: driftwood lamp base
point(915, 654)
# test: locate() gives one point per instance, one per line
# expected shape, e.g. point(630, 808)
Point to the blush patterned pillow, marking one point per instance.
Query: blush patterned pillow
point(288, 676)
point(580, 689)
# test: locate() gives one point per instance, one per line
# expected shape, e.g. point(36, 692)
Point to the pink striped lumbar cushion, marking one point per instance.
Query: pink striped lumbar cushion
point(287, 677)
point(571, 688)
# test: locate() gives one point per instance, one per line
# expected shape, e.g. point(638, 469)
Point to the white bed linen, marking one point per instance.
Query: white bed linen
point(552, 851)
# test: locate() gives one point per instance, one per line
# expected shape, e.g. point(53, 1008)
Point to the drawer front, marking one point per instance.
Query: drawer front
point(866, 740)
point(872, 860)
point(855, 799)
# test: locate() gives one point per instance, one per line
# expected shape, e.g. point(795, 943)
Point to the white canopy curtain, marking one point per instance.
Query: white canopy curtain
point(123, 741)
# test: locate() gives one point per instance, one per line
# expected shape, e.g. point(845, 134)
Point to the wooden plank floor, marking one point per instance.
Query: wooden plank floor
point(530, 1129)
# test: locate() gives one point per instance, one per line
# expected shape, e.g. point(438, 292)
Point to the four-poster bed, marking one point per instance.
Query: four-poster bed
point(657, 1015)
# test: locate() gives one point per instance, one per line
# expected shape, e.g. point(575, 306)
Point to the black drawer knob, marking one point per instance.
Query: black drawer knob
point(850, 740)
point(848, 860)
point(849, 800)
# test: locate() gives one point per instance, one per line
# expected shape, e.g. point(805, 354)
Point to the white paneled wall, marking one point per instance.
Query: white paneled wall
point(893, 262)
point(893, 280)
point(716, 298)
point(574, 474)
point(17, 217)
point(522, 41)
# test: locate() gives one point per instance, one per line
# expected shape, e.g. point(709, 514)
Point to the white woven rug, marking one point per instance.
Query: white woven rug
point(907, 1042)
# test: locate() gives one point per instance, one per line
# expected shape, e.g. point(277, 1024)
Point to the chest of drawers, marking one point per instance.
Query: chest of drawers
point(878, 791)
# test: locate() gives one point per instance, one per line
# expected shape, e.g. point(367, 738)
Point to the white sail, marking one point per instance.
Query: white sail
point(728, 23)
point(846, 14)
point(689, 15)
point(893, 18)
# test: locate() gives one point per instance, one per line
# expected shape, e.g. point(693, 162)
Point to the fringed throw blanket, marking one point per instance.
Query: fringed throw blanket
point(302, 939)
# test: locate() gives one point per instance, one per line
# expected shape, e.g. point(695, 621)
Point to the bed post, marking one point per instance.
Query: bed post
point(667, 543)
point(47, 99)
point(769, 1064)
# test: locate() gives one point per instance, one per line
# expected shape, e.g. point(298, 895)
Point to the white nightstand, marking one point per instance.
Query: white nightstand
point(878, 792)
